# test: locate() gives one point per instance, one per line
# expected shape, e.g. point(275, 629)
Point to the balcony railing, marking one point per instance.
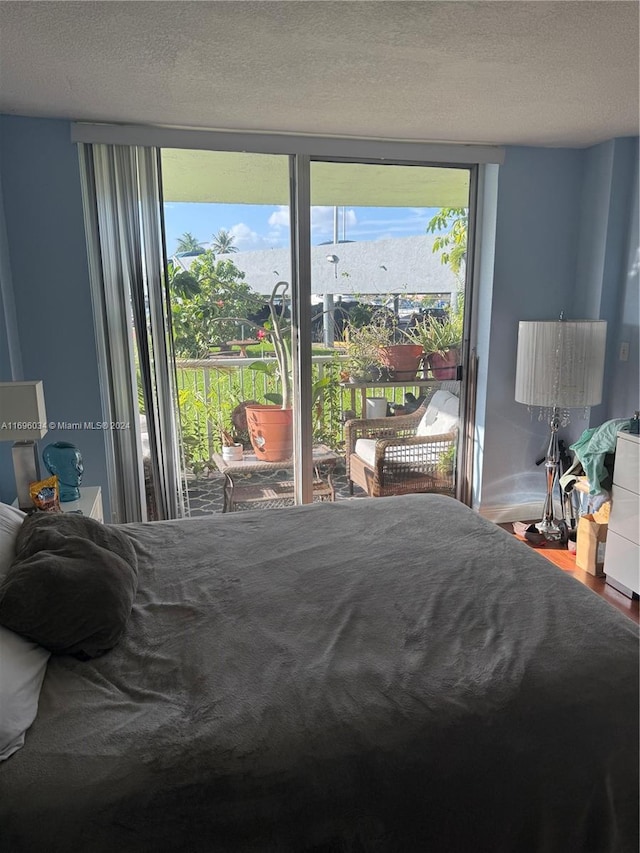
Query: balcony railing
point(210, 388)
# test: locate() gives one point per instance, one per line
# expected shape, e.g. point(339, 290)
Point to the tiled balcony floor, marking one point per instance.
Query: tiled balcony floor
point(206, 494)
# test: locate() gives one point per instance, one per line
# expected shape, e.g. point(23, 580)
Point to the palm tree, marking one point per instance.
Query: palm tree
point(189, 243)
point(222, 243)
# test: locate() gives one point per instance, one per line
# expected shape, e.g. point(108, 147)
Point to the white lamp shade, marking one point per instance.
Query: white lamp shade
point(561, 363)
point(22, 413)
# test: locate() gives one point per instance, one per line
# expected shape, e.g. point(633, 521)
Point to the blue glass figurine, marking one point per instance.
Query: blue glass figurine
point(65, 461)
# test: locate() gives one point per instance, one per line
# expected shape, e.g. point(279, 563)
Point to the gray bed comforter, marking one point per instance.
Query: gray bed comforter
point(384, 675)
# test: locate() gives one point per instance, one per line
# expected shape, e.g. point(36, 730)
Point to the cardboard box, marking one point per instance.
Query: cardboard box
point(590, 546)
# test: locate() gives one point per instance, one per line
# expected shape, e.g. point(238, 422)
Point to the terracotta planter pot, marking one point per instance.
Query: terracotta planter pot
point(271, 432)
point(402, 360)
point(444, 366)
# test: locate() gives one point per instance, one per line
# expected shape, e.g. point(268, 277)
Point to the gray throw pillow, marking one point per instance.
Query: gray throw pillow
point(71, 586)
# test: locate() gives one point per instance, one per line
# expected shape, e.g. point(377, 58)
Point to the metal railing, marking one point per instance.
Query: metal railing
point(210, 388)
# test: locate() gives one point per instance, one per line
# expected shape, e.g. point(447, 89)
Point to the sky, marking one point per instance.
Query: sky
point(257, 227)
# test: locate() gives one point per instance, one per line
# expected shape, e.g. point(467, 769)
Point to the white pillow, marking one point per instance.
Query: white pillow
point(22, 668)
point(11, 519)
point(441, 415)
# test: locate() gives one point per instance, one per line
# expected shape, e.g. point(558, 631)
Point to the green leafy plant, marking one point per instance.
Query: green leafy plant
point(447, 461)
point(182, 284)
point(363, 347)
point(199, 410)
point(277, 330)
point(452, 245)
point(327, 408)
point(207, 316)
point(437, 335)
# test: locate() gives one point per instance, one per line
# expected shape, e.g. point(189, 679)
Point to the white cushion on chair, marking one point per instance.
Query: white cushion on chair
point(366, 449)
point(441, 415)
point(440, 418)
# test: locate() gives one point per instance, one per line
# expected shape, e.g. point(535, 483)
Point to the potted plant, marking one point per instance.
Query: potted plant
point(231, 449)
point(271, 426)
point(363, 351)
point(401, 359)
point(440, 340)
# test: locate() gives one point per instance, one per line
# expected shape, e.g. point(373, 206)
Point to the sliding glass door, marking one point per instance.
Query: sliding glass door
point(286, 273)
point(279, 271)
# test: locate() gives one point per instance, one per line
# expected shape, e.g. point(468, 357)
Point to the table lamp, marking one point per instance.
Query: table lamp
point(23, 420)
point(560, 366)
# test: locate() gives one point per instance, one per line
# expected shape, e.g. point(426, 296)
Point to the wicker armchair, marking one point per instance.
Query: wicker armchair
point(401, 462)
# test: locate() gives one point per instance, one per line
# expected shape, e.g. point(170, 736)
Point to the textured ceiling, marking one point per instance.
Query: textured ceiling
point(539, 73)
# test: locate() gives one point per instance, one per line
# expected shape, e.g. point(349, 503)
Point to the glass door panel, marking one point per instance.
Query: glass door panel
point(229, 262)
point(388, 261)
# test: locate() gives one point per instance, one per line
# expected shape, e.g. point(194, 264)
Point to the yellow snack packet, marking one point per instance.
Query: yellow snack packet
point(45, 494)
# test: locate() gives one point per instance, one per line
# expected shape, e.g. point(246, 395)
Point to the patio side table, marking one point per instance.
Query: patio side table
point(281, 490)
point(363, 387)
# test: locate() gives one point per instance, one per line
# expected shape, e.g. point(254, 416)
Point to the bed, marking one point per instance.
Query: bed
point(389, 675)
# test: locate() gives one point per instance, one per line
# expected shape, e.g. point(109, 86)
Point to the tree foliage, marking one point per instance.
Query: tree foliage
point(189, 243)
point(182, 283)
point(223, 243)
point(198, 319)
point(452, 244)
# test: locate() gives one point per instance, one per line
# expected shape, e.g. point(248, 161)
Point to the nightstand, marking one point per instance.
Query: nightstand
point(89, 503)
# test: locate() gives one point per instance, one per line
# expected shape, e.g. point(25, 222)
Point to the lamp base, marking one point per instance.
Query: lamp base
point(549, 530)
point(548, 527)
point(26, 468)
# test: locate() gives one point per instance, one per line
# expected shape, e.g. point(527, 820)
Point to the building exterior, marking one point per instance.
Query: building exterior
point(406, 265)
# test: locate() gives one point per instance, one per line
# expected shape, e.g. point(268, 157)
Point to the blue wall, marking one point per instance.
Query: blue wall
point(42, 201)
point(624, 390)
point(534, 272)
point(606, 285)
point(10, 364)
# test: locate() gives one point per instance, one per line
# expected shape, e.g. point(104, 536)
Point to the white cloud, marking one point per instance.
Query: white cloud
point(322, 218)
point(280, 217)
point(247, 240)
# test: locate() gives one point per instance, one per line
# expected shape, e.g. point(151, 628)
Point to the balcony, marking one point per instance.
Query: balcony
point(210, 389)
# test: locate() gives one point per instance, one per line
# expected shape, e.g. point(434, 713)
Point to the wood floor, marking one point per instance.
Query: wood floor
point(559, 556)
